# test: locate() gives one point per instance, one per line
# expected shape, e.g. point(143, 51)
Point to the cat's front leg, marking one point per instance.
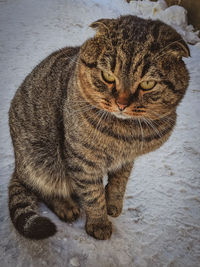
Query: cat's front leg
point(92, 195)
point(115, 189)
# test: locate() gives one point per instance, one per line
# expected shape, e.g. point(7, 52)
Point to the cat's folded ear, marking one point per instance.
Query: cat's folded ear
point(179, 49)
point(102, 26)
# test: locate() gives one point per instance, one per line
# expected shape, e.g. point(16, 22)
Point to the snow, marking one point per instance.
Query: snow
point(160, 223)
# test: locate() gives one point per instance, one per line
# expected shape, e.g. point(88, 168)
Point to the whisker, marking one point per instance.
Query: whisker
point(150, 123)
point(72, 59)
point(142, 133)
point(166, 119)
point(94, 132)
point(163, 116)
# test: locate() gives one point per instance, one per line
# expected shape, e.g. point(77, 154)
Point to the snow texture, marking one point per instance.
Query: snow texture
point(160, 223)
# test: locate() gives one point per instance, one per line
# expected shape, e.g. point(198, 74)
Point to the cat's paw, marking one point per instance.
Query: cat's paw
point(100, 231)
point(70, 214)
point(114, 210)
point(67, 211)
point(114, 201)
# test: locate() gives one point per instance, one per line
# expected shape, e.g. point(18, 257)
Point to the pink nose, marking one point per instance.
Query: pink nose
point(121, 107)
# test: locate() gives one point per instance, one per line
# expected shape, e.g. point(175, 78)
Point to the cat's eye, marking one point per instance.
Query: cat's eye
point(108, 77)
point(147, 85)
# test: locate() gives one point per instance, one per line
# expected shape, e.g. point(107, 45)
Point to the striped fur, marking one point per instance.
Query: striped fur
point(68, 132)
point(23, 212)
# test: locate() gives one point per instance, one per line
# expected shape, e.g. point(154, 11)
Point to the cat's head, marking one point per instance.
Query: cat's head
point(133, 68)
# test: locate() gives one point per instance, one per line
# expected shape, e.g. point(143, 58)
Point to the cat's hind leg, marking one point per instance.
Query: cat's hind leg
point(66, 209)
point(23, 206)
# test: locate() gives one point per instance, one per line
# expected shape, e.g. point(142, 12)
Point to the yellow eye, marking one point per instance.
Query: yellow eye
point(108, 77)
point(148, 85)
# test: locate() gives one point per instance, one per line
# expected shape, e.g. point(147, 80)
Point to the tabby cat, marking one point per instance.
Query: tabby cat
point(87, 112)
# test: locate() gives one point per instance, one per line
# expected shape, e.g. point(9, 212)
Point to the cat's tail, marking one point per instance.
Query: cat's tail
point(23, 212)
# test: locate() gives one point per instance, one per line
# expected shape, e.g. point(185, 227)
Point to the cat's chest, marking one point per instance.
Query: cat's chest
point(118, 153)
point(112, 145)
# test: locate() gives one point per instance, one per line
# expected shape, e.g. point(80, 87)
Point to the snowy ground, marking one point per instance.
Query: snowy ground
point(160, 223)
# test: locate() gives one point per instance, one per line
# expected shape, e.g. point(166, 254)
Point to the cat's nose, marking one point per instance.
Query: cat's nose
point(122, 100)
point(121, 106)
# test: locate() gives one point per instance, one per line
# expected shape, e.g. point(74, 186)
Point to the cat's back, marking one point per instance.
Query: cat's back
point(38, 101)
point(35, 115)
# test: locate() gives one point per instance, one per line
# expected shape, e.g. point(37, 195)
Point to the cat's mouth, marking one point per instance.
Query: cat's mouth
point(121, 115)
point(125, 116)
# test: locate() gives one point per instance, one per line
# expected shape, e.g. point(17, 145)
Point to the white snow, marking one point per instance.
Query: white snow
point(160, 223)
